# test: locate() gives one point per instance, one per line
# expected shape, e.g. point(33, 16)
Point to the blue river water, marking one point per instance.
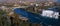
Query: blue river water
point(36, 18)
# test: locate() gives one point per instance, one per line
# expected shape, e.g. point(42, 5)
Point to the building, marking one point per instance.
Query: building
point(51, 13)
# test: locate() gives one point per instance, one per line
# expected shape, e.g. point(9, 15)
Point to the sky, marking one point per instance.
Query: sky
point(58, 0)
point(6, 0)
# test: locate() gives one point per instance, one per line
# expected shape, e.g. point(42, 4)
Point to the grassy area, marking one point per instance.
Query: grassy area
point(2, 12)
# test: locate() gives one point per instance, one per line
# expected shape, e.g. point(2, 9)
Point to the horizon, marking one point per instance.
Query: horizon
point(14, 0)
